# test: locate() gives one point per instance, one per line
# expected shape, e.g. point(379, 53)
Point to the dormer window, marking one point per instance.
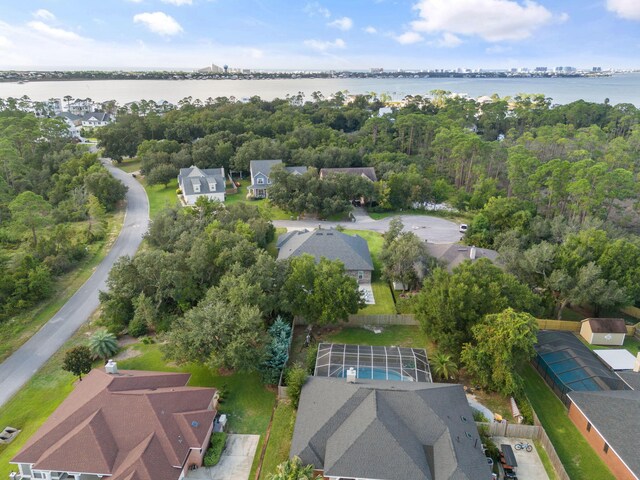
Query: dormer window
point(196, 188)
point(260, 181)
point(212, 186)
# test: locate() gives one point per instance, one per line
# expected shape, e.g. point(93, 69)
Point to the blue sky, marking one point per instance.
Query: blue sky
point(300, 34)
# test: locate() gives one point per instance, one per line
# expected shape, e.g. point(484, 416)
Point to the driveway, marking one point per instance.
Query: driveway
point(235, 462)
point(16, 370)
point(430, 229)
point(530, 466)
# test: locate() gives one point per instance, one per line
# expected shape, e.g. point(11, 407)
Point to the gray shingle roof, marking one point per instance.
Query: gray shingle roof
point(388, 430)
point(631, 378)
point(188, 177)
point(368, 172)
point(265, 166)
point(453, 254)
point(615, 415)
point(99, 116)
point(353, 251)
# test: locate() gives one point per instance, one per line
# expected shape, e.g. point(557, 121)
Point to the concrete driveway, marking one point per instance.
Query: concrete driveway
point(16, 370)
point(235, 462)
point(529, 464)
point(430, 229)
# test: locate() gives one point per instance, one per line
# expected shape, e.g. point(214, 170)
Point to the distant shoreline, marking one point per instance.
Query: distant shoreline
point(72, 76)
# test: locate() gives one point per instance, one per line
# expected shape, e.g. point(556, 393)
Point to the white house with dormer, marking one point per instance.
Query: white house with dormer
point(197, 182)
point(261, 176)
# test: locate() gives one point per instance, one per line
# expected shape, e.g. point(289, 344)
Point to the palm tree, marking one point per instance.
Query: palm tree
point(103, 344)
point(443, 366)
point(293, 469)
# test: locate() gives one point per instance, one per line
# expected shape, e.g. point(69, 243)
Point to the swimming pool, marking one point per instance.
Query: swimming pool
point(373, 373)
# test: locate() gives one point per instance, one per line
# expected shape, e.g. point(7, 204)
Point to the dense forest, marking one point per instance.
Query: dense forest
point(54, 198)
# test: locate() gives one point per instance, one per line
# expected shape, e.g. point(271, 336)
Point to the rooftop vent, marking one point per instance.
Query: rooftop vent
point(195, 424)
point(111, 367)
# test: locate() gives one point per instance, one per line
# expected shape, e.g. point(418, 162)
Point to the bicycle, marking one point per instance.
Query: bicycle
point(524, 446)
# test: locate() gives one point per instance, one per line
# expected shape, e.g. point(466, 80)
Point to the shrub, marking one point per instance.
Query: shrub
point(147, 340)
point(526, 410)
point(216, 446)
point(310, 362)
point(277, 352)
point(296, 377)
point(492, 449)
point(478, 416)
point(138, 327)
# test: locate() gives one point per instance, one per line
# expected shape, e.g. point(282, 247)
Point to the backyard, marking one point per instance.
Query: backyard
point(381, 291)
point(577, 456)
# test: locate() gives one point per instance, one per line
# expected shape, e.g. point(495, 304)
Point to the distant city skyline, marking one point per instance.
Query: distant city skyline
point(319, 35)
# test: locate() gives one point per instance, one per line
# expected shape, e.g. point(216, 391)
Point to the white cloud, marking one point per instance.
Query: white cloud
point(314, 8)
point(344, 23)
point(158, 22)
point(43, 14)
point(370, 29)
point(449, 40)
point(5, 42)
point(629, 9)
point(178, 3)
point(324, 46)
point(53, 32)
point(491, 20)
point(408, 38)
point(135, 1)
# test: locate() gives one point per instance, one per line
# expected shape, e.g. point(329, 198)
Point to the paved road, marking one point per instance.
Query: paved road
point(16, 370)
point(431, 229)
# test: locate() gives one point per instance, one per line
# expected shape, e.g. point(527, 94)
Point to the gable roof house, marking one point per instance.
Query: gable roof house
point(382, 430)
point(609, 421)
point(352, 251)
point(260, 176)
point(453, 254)
point(366, 172)
point(127, 425)
point(96, 119)
point(197, 182)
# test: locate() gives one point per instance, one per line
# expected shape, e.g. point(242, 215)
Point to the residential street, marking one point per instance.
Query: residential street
point(19, 367)
point(431, 229)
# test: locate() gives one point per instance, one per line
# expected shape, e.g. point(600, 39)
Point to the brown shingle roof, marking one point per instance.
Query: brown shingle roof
point(132, 425)
point(606, 325)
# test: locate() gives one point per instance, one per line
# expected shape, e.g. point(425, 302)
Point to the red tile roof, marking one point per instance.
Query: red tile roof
point(132, 425)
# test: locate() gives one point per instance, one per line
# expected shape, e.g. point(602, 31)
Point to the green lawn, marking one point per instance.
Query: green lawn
point(577, 456)
point(398, 335)
point(632, 344)
point(129, 165)
point(17, 330)
point(277, 451)
point(161, 197)
point(381, 291)
point(33, 404)
point(246, 402)
point(544, 458)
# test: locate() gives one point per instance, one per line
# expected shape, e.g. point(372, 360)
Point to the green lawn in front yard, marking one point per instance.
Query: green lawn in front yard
point(161, 197)
point(129, 165)
point(284, 420)
point(577, 456)
point(18, 329)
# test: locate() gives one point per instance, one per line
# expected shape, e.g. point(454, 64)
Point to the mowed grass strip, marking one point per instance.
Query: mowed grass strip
point(284, 420)
point(577, 456)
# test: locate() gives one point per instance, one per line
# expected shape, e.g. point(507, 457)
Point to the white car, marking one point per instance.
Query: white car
point(463, 228)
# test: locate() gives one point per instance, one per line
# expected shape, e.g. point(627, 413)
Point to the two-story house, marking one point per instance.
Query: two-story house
point(260, 176)
point(197, 182)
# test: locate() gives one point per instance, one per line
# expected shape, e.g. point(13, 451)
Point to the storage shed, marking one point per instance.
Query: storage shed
point(603, 331)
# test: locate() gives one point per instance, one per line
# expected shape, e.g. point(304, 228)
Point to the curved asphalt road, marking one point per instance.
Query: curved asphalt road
point(16, 370)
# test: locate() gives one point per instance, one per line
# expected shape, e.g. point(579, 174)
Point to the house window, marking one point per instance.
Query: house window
point(606, 447)
point(588, 426)
point(260, 181)
point(360, 274)
point(196, 188)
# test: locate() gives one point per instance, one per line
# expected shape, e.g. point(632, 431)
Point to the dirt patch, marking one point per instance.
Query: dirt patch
point(126, 340)
point(128, 353)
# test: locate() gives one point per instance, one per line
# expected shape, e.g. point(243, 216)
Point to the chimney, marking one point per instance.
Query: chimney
point(111, 367)
point(636, 367)
point(351, 375)
point(472, 253)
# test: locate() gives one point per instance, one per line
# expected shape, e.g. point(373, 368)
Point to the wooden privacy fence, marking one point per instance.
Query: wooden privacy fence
point(360, 320)
point(569, 326)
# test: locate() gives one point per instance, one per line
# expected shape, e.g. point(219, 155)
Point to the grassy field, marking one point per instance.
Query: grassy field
point(129, 165)
point(577, 456)
point(277, 451)
point(381, 291)
point(17, 330)
point(33, 404)
point(160, 197)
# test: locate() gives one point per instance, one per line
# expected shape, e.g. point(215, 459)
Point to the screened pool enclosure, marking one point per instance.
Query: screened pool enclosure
point(373, 363)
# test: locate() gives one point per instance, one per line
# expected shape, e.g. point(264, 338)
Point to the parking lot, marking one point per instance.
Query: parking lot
point(529, 464)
